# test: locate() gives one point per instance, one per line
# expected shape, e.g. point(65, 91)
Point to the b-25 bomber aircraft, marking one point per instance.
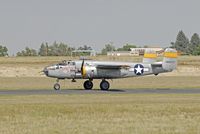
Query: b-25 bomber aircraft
point(104, 70)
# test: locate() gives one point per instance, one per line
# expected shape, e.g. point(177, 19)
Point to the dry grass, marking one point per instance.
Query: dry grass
point(23, 73)
point(54, 59)
point(31, 66)
point(103, 113)
point(189, 60)
point(183, 60)
point(88, 114)
point(174, 82)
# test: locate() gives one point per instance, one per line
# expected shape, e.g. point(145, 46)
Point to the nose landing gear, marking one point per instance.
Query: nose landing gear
point(57, 85)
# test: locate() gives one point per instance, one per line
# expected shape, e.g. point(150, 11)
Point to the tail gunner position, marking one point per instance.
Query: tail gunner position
point(90, 69)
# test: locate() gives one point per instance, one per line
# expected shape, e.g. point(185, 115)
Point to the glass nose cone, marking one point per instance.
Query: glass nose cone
point(45, 70)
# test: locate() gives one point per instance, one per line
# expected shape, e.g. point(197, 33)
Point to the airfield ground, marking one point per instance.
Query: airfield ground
point(148, 82)
point(98, 113)
point(105, 113)
point(23, 73)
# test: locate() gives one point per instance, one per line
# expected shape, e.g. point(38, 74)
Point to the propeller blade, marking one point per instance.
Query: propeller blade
point(41, 72)
point(83, 70)
point(82, 66)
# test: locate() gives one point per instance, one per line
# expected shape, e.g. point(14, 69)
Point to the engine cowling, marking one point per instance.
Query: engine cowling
point(89, 71)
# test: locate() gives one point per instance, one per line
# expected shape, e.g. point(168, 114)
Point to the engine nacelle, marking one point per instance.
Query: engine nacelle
point(89, 72)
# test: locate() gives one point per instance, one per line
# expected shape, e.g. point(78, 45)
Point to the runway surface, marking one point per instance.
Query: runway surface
point(111, 91)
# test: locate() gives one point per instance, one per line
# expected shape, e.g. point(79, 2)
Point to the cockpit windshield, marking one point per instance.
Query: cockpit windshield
point(61, 65)
point(67, 63)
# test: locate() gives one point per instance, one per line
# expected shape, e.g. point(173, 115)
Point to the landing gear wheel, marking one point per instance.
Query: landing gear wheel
point(88, 85)
point(104, 85)
point(56, 86)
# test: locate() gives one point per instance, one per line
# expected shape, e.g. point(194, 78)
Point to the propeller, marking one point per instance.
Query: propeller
point(82, 68)
point(44, 71)
point(41, 72)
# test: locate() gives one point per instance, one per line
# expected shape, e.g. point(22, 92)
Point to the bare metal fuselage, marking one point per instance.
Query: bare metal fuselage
point(90, 69)
point(101, 70)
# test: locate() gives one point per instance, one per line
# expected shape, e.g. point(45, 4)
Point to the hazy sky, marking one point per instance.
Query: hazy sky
point(96, 22)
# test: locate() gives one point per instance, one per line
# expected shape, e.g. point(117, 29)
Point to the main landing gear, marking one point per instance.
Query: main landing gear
point(88, 85)
point(104, 85)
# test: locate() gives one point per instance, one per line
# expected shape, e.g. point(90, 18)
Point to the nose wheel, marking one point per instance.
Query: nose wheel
point(88, 85)
point(104, 85)
point(57, 85)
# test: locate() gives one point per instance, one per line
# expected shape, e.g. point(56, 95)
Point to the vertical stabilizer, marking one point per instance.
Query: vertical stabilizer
point(149, 56)
point(170, 59)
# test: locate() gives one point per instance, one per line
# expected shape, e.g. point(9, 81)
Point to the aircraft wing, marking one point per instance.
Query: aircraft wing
point(111, 66)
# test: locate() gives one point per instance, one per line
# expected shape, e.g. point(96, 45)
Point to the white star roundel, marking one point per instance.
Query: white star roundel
point(139, 69)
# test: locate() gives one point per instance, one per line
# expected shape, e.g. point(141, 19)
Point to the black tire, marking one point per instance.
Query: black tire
point(56, 86)
point(104, 85)
point(88, 85)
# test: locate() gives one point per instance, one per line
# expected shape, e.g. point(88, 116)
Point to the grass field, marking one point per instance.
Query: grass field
point(147, 82)
point(23, 73)
point(182, 60)
point(100, 113)
point(111, 114)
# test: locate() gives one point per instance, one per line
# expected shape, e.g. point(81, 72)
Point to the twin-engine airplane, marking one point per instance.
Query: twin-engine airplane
point(90, 69)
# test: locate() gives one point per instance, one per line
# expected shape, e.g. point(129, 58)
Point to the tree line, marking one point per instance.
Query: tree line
point(186, 46)
point(182, 44)
point(56, 49)
point(3, 51)
point(62, 49)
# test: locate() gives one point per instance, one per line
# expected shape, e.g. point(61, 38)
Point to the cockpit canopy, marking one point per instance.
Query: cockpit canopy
point(64, 62)
point(61, 65)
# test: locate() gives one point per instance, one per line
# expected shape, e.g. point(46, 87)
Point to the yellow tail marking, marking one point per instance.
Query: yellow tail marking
point(150, 55)
point(171, 54)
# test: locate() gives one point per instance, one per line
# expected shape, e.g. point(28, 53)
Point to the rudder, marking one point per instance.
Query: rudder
point(170, 59)
point(149, 56)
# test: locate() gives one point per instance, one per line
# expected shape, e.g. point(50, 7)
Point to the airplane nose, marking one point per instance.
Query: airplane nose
point(46, 72)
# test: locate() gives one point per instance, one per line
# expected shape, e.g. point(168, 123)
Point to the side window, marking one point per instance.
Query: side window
point(71, 63)
point(57, 66)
